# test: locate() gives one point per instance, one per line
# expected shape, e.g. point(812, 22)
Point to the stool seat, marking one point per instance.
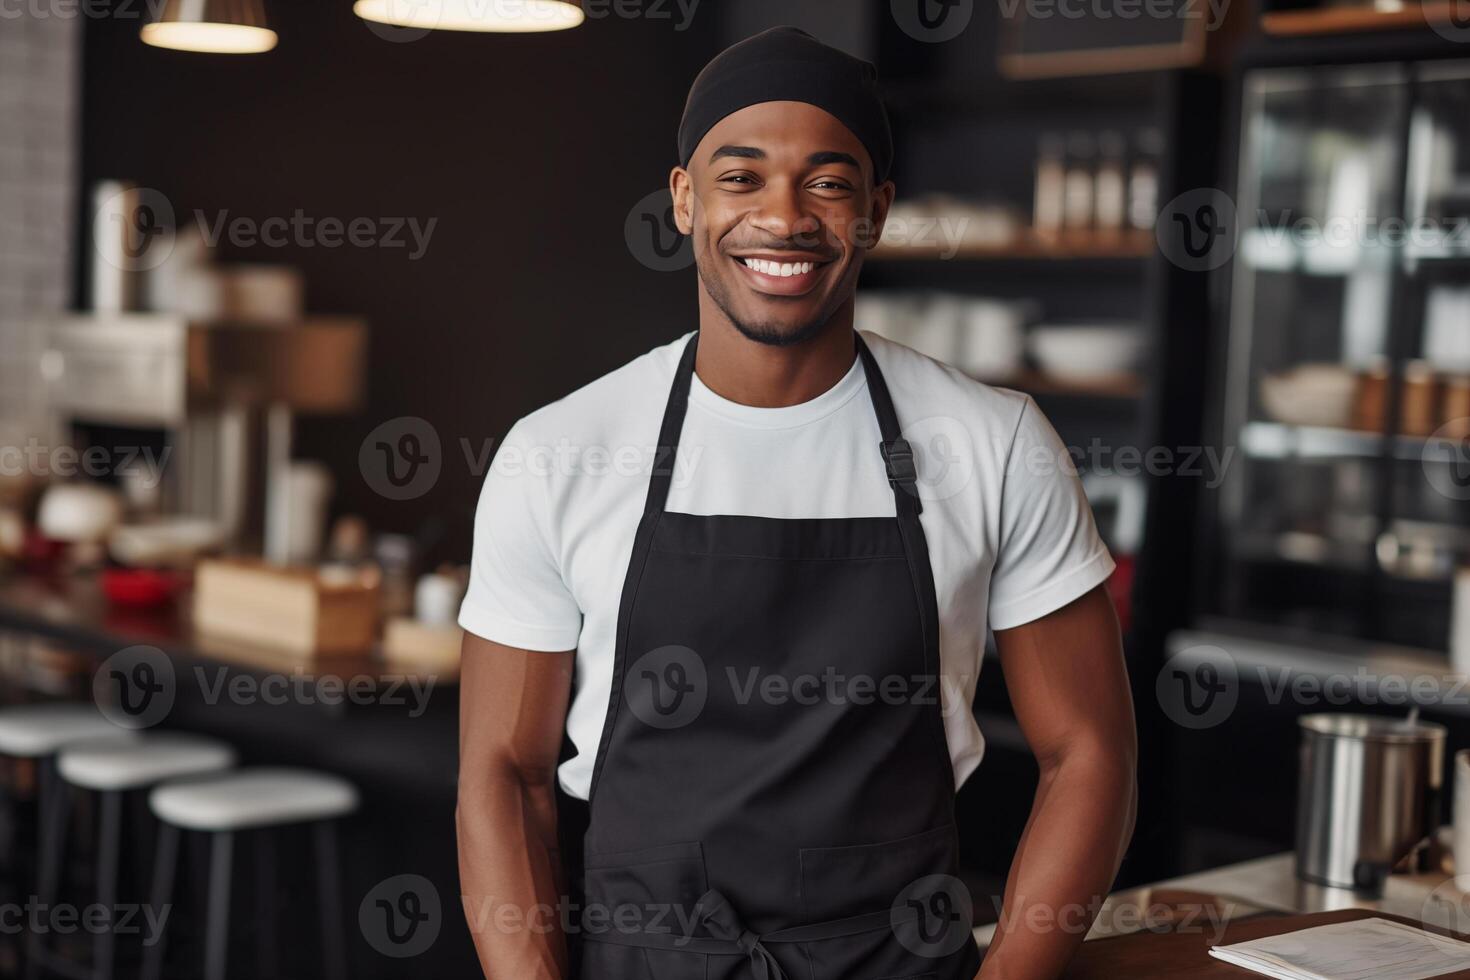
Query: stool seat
point(110, 764)
point(32, 731)
point(253, 797)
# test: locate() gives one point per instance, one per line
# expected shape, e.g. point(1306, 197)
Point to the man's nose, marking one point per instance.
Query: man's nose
point(781, 213)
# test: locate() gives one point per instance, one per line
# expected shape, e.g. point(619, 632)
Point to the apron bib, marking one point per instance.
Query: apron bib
point(773, 797)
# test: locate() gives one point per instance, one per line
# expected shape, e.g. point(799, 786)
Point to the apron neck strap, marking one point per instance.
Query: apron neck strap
point(668, 434)
point(898, 455)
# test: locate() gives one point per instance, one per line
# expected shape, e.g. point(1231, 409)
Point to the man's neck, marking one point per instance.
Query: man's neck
point(765, 375)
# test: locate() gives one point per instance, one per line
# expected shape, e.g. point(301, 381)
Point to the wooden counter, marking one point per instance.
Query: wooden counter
point(1185, 955)
point(387, 728)
point(73, 611)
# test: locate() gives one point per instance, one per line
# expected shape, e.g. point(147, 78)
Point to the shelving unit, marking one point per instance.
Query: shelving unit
point(1356, 515)
point(948, 123)
point(1122, 246)
point(1341, 20)
point(1124, 388)
point(1277, 440)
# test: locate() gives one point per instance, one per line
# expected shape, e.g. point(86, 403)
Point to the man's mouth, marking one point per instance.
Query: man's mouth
point(781, 275)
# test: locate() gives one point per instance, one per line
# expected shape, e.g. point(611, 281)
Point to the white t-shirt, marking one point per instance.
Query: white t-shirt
point(1011, 537)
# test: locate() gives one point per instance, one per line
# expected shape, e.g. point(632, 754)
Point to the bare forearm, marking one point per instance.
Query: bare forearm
point(1080, 825)
point(511, 876)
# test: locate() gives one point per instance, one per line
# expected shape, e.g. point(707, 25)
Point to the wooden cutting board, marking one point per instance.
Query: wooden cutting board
point(1186, 955)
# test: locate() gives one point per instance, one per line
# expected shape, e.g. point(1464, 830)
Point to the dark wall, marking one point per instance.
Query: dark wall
point(528, 150)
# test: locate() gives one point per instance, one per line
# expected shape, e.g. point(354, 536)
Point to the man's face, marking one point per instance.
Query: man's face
point(780, 203)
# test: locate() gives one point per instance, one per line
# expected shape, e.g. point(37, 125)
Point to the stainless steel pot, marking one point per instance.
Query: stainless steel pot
point(1369, 793)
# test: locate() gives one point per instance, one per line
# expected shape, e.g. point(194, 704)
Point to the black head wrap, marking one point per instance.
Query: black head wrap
point(785, 64)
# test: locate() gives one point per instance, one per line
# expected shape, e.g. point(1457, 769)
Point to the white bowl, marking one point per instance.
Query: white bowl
point(174, 541)
point(79, 512)
point(1088, 351)
point(1312, 394)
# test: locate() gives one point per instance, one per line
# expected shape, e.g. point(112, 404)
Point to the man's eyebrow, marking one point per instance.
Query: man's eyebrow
point(832, 156)
point(818, 159)
point(745, 152)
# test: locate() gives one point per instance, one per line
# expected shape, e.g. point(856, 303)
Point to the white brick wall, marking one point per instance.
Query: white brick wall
point(39, 66)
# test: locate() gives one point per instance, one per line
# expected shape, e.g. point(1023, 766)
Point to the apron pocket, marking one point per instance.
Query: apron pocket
point(837, 882)
point(606, 961)
point(914, 879)
point(653, 889)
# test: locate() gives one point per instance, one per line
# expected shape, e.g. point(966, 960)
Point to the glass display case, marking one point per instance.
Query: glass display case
point(1345, 507)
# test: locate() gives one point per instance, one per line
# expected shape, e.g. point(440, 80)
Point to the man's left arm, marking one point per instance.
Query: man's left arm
point(1069, 686)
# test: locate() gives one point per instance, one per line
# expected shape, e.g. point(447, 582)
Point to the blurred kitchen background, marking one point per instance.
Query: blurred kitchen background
point(266, 308)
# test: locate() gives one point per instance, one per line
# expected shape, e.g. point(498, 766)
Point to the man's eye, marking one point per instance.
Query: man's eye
point(740, 177)
point(835, 185)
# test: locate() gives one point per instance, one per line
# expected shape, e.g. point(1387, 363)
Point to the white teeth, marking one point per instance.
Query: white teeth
point(782, 269)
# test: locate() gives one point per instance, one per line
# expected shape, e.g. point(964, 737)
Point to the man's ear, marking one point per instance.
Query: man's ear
point(883, 196)
point(681, 187)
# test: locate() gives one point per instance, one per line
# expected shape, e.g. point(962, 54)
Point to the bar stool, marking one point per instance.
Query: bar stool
point(36, 732)
point(256, 798)
point(112, 767)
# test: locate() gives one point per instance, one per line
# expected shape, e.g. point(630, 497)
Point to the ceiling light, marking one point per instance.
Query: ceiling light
point(514, 16)
point(211, 26)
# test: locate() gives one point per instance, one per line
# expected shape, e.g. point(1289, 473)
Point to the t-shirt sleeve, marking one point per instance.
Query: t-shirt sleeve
point(1050, 552)
point(517, 595)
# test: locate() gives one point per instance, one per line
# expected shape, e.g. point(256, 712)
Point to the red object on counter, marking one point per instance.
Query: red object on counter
point(41, 555)
point(142, 588)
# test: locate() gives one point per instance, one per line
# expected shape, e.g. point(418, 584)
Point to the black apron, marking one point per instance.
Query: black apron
point(773, 797)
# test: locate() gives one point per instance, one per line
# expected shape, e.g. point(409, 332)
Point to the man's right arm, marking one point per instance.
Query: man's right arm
point(513, 704)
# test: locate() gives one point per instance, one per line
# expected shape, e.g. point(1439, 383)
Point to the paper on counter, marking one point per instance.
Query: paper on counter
point(1364, 949)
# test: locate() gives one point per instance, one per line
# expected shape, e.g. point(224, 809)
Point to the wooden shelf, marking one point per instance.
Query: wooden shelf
point(1120, 387)
point(1064, 247)
point(1350, 20)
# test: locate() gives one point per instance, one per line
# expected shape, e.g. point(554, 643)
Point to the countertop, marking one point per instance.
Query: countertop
point(1185, 954)
point(73, 611)
point(1269, 885)
point(387, 728)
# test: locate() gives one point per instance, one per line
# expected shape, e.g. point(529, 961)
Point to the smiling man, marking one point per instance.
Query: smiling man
point(763, 641)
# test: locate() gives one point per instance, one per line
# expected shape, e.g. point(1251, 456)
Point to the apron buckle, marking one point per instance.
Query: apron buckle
point(898, 458)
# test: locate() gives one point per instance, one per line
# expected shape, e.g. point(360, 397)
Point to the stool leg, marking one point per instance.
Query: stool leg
point(52, 816)
point(108, 839)
point(217, 923)
point(329, 898)
point(165, 858)
point(266, 908)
